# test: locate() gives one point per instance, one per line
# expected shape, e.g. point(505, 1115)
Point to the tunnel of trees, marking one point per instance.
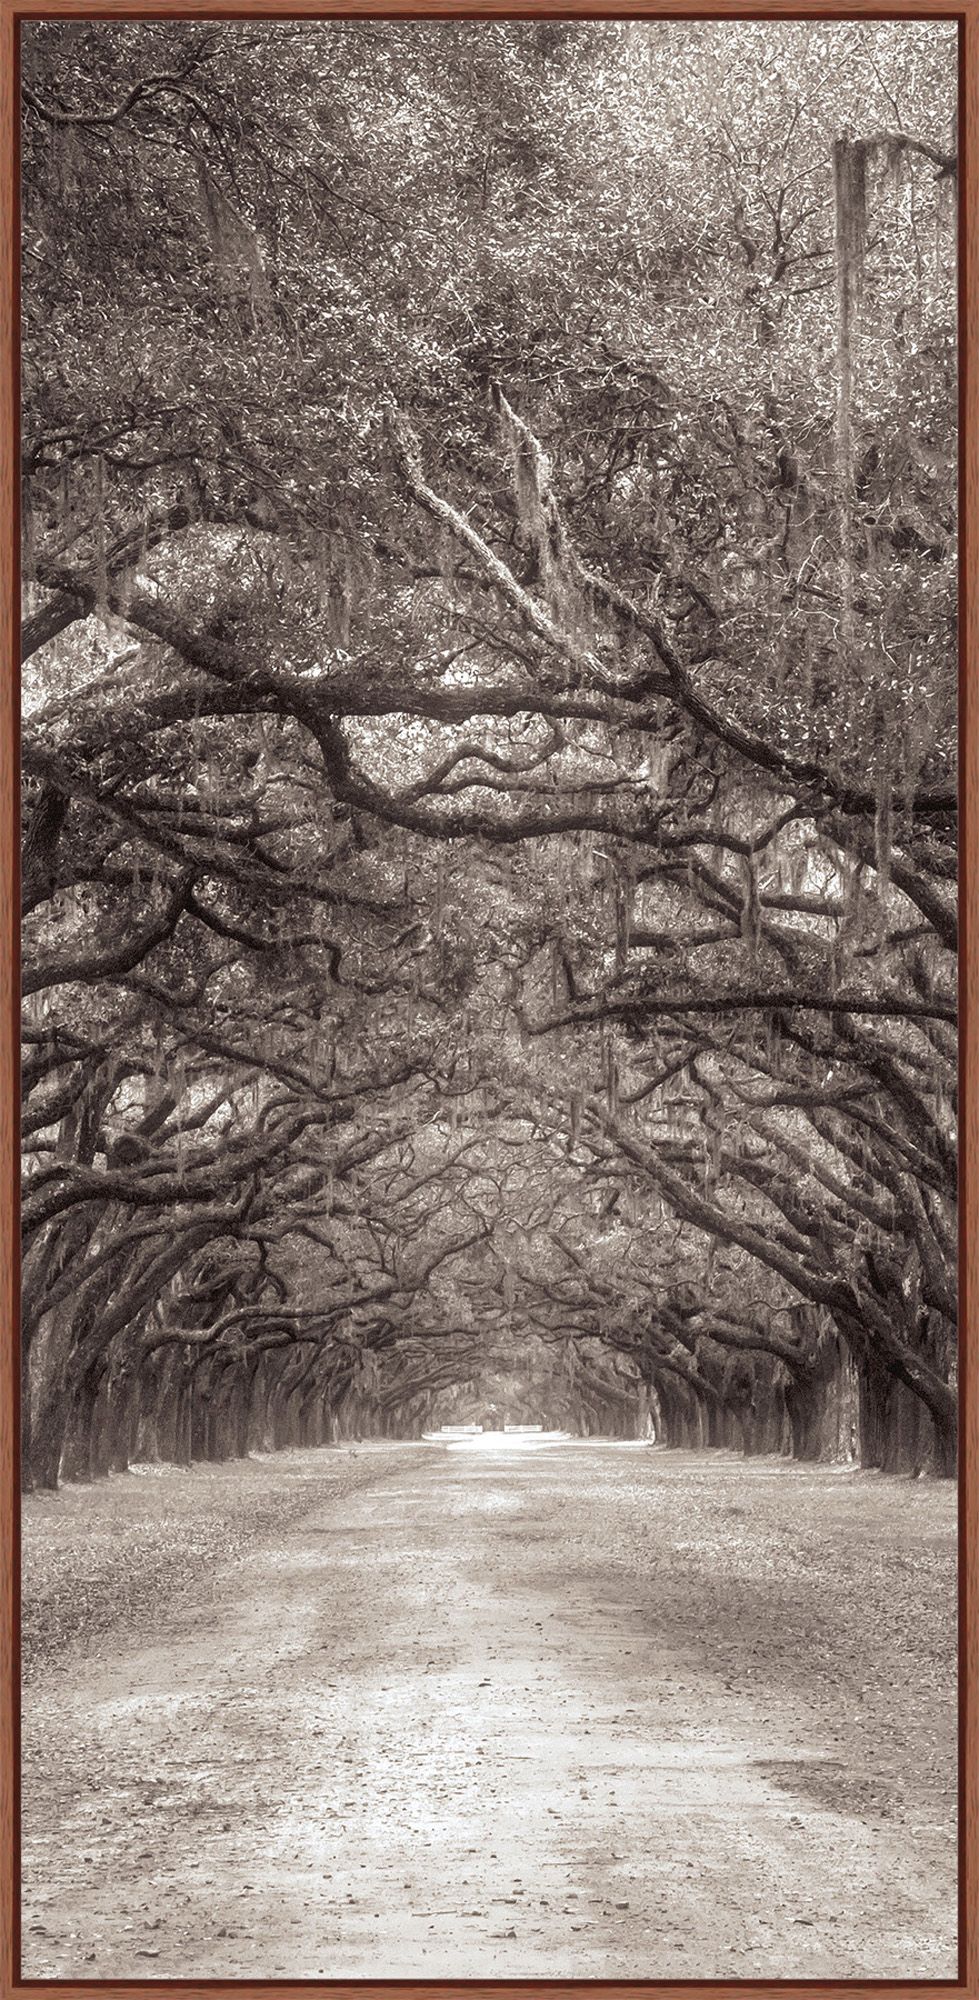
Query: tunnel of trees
point(489, 688)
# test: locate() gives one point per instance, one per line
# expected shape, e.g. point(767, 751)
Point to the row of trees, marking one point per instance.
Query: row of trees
point(489, 710)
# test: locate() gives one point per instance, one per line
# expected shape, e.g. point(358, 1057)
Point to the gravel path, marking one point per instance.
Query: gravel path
point(588, 1710)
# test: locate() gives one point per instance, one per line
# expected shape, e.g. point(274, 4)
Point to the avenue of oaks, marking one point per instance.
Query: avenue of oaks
point(489, 735)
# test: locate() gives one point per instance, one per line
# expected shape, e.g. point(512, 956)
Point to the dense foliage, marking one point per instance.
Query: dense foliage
point(489, 748)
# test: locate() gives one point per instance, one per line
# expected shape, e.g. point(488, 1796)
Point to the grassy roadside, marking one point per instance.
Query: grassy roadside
point(104, 1558)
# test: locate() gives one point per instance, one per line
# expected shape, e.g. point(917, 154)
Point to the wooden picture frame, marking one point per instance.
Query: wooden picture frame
point(966, 14)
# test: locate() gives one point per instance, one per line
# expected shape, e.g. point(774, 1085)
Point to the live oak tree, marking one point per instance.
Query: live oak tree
point(489, 755)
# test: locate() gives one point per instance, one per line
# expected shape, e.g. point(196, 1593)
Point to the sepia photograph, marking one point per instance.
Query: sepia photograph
point(489, 704)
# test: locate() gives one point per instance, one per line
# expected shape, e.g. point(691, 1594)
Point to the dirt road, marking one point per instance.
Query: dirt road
point(581, 1711)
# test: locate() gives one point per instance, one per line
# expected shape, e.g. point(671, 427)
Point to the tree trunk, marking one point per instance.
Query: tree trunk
point(897, 1432)
point(43, 1442)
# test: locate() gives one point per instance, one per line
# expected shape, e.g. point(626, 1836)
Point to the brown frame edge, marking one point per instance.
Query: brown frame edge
point(966, 13)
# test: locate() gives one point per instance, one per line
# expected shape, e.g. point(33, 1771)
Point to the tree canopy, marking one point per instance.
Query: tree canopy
point(489, 730)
